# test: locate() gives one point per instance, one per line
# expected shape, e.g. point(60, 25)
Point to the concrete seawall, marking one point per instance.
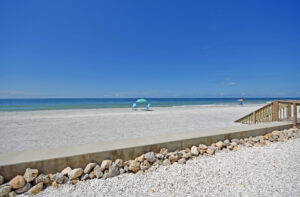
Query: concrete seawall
point(56, 159)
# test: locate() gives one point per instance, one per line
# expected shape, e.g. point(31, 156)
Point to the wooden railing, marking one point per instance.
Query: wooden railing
point(275, 111)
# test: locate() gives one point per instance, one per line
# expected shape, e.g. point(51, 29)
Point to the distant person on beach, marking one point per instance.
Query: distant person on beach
point(241, 101)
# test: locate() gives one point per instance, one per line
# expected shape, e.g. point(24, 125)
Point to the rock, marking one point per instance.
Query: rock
point(194, 151)
point(150, 157)
point(73, 174)
point(92, 175)
point(89, 168)
point(242, 141)
point(237, 148)
point(157, 163)
point(233, 144)
point(247, 144)
point(202, 151)
point(230, 147)
point(261, 139)
point(134, 166)
point(277, 133)
point(105, 164)
point(275, 137)
point(267, 136)
point(126, 169)
point(226, 142)
point(145, 165)
point(54, 184)
point(166, 162)
point(66, 171)
point(105, 175)
point(173, 158)
point(159, 156)
point(163, 151)
point(84, 177)
point(181, 161)
point(24, 189)
point(30, 174)
point(12, 194)
point(36, 189)
point(4, 190)
point(210, 150)
point(219, 145)
point(237, 141)
point(42, 178)
point(113, 170)
point(119, 163)
point(187, 150)
point(202, 147)
point(98, 172)
point(255, 139)
point(75, 181)
point(1, 180)
point(141, 158)
point(185, 155)
point(50, 176)
point(59, 178)
point(257, 144)
point(122, 171)
point(17, 182)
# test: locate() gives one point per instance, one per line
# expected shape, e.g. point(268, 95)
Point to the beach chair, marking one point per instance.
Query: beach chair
point(148, 106)
point(134, 106)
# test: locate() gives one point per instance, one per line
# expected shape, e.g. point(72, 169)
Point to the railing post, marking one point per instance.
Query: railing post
point(254, 117)
point(289, 111)
point(295, 114)
point(275, 111)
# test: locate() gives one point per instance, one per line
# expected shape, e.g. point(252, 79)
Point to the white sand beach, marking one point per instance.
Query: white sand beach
point(29, 130)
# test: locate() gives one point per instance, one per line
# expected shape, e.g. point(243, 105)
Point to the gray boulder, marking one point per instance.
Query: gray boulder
point(113, 170)
point(59, 178)
point(98, 172)
point(150, 157)
point(42, 178)
point(24, 189)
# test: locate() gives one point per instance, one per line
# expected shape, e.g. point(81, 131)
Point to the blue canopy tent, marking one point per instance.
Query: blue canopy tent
point(142, 102)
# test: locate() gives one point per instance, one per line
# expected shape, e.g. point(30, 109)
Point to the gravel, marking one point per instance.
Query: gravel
point(272, 170)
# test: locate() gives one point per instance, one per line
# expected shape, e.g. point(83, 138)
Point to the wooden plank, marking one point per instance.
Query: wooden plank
point(254, 118)
point(290, 102)
point(295, 114)
point(289, 111)
point(275, 111)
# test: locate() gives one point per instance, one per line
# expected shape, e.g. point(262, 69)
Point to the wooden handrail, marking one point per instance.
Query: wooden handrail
point(275, 111)
point(254, 111)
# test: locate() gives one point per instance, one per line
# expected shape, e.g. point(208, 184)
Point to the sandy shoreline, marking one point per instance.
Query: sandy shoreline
point(47, 129)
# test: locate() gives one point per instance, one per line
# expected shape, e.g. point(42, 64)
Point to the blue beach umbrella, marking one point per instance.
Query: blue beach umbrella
point(141, 101)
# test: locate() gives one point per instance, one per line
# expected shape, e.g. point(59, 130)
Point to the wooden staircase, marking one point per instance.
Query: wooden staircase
point(275, 111)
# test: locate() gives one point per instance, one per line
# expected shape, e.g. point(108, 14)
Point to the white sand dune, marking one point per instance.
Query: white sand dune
point(44, 129)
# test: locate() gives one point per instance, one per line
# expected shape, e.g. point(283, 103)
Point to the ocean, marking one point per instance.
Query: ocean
point(93, 103)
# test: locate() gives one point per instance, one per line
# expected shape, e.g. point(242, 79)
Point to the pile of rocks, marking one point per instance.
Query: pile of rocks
point(32, 182)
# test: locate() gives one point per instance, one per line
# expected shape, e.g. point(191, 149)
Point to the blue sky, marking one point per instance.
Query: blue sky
point(149, 49)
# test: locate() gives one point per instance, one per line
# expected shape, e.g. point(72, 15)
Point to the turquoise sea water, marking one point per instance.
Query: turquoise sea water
point(91, 103)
